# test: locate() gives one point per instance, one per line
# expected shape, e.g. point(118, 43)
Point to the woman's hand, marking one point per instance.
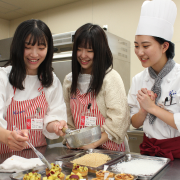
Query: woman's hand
point(15, 141)
point(68, 146)
point(151, 94)
point(104, 138)
point(146, 99)
point(58, 125)
point(89, 146)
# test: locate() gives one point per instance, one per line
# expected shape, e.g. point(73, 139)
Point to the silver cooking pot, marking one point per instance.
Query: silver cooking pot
point(84, 136)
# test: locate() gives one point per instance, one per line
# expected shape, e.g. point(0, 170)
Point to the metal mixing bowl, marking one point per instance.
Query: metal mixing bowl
point(83, 136)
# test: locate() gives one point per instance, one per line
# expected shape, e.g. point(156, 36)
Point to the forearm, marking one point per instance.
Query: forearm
point(137, 119)
point(163, 115)
point(104, 138)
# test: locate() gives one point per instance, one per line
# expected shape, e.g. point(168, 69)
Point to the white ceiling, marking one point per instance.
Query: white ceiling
point(12, 9)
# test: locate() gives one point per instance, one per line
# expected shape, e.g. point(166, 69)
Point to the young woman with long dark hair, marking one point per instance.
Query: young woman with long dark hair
point(94, 89)
point(30, 93)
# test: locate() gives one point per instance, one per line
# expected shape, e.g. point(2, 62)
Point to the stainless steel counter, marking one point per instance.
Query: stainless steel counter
point(52, 151)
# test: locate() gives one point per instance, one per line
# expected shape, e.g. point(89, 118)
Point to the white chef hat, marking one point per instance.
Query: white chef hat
point(157, 19)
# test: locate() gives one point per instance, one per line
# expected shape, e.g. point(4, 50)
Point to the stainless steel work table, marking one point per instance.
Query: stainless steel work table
point(170, 172)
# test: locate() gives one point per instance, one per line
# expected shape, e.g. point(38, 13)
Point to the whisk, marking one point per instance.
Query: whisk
point(39, 155)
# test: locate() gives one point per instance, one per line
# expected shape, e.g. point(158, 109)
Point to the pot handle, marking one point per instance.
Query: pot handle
point(66, 130)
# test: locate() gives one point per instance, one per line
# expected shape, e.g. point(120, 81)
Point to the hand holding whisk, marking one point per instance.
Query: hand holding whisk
point(40, 156)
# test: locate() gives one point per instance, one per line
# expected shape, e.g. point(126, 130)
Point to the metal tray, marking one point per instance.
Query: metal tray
point(115, 156)
point(129, 157)
point(19, 176)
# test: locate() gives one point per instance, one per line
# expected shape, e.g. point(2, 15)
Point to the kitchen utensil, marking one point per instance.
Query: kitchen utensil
point(114, 155)
point(130, 157)
point(69, 131)
point(39, 155)
point(81, 137)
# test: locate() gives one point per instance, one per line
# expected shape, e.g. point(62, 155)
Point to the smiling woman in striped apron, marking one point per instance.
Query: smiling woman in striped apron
point(95, 90)
point(30, 93)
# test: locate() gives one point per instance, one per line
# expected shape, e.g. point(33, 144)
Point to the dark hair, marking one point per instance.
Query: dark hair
point(170, 51)
point(92, 36)
point(39, 33)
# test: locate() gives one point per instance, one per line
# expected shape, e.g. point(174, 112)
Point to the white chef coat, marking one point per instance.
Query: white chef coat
point(170, 83)
point(54, 96)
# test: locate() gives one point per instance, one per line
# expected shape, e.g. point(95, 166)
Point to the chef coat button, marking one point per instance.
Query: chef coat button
point(168, 80)
point(147, 79)
point(146, 135)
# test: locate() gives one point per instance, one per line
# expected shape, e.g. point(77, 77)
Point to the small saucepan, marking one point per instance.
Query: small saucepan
point(82, 137)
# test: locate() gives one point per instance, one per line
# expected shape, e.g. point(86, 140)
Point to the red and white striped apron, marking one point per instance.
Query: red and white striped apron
point(79, 104)
point(17, 113)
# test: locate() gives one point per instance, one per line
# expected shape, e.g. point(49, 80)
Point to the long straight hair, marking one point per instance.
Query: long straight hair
point(93, 37)
point(39, 33)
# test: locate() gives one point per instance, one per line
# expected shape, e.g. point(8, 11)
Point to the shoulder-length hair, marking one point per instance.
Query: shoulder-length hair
point(93, 37)
point(39, 33)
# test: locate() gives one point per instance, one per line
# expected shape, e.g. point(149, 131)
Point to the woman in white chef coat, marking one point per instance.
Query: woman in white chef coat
point(31, 95)
point(160, 118)
point(94, 89)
